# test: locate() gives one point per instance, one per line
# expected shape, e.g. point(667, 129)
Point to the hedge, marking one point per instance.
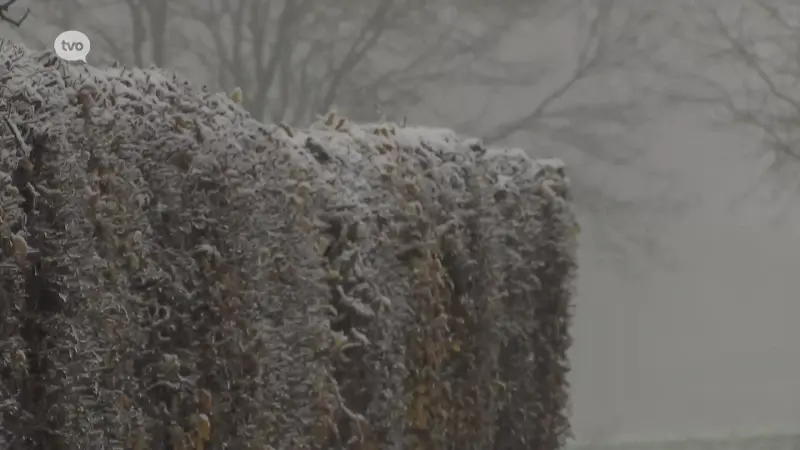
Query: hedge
point(177, 275)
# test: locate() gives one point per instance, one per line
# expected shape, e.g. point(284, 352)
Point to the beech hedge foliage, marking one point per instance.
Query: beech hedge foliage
point(176, 275)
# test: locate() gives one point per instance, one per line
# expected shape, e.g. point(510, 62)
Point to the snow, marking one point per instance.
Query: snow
point(174, 159)
point(42, 78)
point(166, 110)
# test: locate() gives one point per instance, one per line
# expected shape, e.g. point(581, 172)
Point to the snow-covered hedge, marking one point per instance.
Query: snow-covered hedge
point(177, 275)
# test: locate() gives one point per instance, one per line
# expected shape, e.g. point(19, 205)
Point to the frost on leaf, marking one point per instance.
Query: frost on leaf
point(178, 272)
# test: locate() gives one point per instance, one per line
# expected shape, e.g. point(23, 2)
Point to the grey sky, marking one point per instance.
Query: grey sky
point(704, 341)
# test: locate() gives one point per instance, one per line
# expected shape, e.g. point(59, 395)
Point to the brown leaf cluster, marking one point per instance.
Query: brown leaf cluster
point(176, 275)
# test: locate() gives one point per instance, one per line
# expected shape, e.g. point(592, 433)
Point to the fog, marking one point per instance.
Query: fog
point(700, 338)
point(705, 346)
point(699, 341)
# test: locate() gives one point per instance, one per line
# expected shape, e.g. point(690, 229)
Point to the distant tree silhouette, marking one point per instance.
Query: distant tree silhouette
point(5, 18)
point(760, 39)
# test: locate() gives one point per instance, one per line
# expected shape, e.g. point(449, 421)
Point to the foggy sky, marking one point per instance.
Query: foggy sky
point(706, 346)
point(703, 342)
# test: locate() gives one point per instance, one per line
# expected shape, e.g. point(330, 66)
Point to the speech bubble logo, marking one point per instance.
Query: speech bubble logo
point(72, 45)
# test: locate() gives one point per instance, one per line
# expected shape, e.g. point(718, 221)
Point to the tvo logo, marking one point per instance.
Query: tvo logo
point(72, 45)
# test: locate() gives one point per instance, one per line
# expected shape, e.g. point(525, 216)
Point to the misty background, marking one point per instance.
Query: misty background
point(678, 122)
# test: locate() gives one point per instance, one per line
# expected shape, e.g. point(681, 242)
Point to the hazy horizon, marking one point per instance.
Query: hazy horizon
point(699, 340)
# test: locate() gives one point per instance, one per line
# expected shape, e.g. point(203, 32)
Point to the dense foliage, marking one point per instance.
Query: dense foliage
point(177, 275)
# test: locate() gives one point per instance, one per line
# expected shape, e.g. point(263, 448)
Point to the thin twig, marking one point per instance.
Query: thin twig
point(26, 150)
point(4, 10)
point(356, 417)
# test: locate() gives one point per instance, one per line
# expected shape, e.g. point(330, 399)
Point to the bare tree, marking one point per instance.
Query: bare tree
point(62, 19)
point(609, 43)
point(133, 32)
point(149, 20)
point(145, 23)
point(759, 42)
point(296, 59)
point(618, 41)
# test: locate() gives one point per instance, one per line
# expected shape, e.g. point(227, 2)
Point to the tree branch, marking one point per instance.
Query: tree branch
point(139, 31)
point(589, 58)
point(366, 40)
point(752, 62)
point(267, 73)
point(4, 11)
point(509, 128)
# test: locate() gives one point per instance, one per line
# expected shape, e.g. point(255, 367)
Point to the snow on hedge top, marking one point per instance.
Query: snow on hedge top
point(335, 150)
